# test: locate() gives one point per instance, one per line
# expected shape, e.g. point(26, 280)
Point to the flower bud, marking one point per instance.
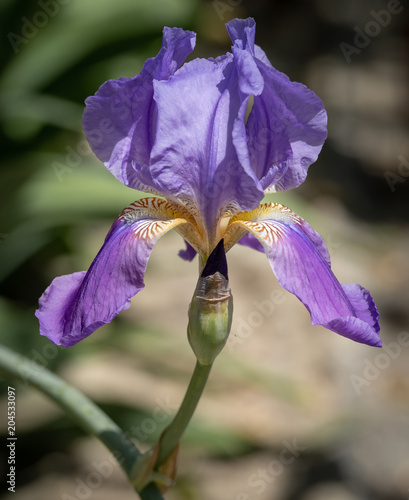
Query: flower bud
point(211, 309)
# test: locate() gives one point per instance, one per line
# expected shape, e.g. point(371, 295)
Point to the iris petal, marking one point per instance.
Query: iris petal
point(119, 121)
point(194, 160)
point(300, 260)
point(287, 124)
point(188, 253)
point(75, 305)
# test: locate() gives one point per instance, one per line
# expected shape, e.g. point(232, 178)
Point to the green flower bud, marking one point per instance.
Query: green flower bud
point(211, 309)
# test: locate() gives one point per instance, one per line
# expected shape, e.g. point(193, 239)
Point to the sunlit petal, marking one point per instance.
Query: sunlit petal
point(300, 260)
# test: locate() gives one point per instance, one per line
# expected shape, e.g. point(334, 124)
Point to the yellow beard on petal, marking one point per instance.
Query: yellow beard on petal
point(262, 222)
point(159, 216)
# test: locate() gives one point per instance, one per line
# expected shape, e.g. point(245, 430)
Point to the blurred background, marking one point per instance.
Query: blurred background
point(291, 411)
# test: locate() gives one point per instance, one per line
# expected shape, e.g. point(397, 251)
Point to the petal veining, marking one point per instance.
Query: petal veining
point(75, 305)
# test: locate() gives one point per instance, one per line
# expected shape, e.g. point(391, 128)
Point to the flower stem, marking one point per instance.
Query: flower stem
point(91, 418)
point(182, 418)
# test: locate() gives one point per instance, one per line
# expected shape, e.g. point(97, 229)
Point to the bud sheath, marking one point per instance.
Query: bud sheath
point(211, 309)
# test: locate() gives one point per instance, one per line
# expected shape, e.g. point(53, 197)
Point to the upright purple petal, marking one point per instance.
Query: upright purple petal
point(75, 305)
point(287, 124)
point(300, 260)
point(193, 159)
point(119, 121)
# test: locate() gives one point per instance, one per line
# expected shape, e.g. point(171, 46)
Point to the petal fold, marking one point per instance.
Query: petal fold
point(75, 305)
point(300, 261)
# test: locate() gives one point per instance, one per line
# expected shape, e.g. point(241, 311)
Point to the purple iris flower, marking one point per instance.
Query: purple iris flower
point(181, 132)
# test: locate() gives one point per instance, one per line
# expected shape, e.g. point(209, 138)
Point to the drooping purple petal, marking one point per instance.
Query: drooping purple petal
point(299, 259)
point(287, 124)
point(75, 305)
point(119, 121)
point(193, 159)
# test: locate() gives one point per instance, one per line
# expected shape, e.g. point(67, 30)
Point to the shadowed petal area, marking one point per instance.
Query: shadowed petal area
point(287, 125)
point(300, 260)
point(75, 305)
point(119, 121)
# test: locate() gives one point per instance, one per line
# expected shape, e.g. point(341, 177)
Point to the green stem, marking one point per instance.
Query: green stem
point(91, 418)
point(182, 418)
